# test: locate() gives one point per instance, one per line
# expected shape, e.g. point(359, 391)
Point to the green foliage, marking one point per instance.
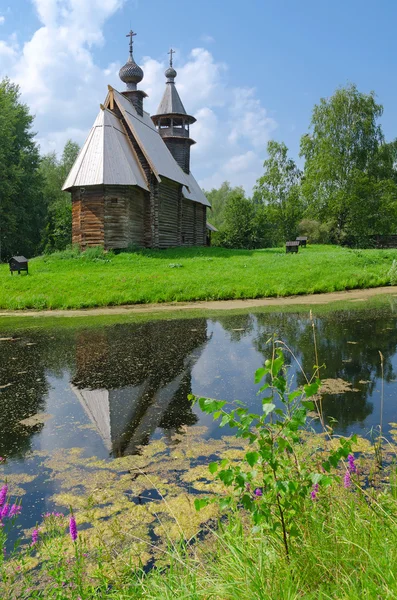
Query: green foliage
point(279, 190)
point(393, 273)
point(316, 232)
point(238, 229)
point(57, 232)
point(350, 177)
point(272, 482)
point(218, 199)
point(22, 209)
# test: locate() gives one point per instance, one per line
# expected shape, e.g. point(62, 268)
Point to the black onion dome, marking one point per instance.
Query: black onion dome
point(131, 73)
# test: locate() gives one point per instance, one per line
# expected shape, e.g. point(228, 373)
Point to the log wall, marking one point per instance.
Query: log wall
point(122, 216)
point(180, 150)
point(169, 200)
point(187, 223)
point(88, 217)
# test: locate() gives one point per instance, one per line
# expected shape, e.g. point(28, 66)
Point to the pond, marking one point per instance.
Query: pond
point(100, 393)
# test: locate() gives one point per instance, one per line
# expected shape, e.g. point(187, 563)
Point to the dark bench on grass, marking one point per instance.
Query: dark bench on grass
point(302, 240)
point(18, 263)
point(291, 246)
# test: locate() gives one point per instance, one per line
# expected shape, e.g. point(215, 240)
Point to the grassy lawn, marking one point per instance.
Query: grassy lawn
point(71, 280)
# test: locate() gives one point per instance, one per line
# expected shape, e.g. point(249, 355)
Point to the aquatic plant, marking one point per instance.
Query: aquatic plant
point(274, 466)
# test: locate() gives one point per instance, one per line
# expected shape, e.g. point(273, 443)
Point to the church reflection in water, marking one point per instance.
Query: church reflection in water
point(133, 380)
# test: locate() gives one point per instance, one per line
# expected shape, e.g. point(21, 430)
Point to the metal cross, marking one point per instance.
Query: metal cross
point(131, 35)
point(171, 52)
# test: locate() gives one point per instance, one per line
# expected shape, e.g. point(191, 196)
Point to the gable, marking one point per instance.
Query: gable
point(107, 157)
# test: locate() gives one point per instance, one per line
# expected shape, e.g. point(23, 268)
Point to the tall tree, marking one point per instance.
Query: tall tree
point(345, 144)
point(239, 228)
point(218, 199)
point(22, 208)
point(279, 190)
point(58, 228)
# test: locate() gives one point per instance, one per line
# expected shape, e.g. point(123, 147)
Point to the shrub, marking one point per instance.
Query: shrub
point(317, 233)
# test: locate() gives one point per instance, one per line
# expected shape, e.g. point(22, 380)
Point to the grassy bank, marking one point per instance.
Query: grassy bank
point(73, 280)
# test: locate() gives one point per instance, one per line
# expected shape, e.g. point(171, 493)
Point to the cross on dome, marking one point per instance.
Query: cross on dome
point(131, 73)
point(170, 72)
point(171, 52)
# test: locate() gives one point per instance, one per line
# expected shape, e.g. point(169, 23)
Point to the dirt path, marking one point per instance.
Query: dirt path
point(309, 300)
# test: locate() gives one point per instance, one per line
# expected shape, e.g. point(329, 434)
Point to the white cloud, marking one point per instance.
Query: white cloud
point(2, 20)
point(62, 83)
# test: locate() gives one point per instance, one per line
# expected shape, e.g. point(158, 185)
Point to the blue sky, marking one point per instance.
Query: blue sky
point(248, 71)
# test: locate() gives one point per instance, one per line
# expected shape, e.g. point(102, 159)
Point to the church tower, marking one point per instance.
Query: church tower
point(172, 121)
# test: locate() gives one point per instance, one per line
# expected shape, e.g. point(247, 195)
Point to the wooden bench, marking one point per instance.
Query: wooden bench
point(302, 240)
point(291, 246)
point(18, 263)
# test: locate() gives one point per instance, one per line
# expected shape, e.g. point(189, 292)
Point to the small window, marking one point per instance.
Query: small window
point(113, 200)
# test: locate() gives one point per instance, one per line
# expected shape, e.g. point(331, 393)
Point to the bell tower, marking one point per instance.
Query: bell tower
point(172, 121)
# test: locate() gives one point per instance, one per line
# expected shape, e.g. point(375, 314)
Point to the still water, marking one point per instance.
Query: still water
point(111, 389)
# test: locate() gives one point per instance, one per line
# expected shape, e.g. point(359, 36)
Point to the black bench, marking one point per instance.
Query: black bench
point(18, 263)
point(302, 240)
point(291, 246)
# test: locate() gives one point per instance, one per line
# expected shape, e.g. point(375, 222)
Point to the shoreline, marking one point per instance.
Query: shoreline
point(357, 295)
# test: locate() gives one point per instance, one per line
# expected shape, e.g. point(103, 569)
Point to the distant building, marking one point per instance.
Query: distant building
point(131, 183)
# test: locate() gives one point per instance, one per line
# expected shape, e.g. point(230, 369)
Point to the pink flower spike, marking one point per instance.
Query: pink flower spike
point(3, 494)
point(314, 492)
point(16, 509)
point(5, 511)
point(73, 528)
point(347, 480)
point(35, 537)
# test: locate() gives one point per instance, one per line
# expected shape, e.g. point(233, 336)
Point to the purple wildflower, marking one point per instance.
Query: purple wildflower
point(351, 466)
point(314, 492)
point(5, 511)
point(3, 494)
point(258, 492)
point(16, 509)
point(347, 480)
point(73, 528)
point(35, 537)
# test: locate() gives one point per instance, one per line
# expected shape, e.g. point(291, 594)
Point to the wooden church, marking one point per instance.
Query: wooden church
point(131, 183)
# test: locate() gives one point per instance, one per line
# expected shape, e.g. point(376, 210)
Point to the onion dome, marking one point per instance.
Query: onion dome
point(131, 73)
point(170, 73)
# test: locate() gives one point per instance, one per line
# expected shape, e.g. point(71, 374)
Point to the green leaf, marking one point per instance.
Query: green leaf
point(200, 503)
point(252, 458)
point(308, 404)
point(294, 395)
point(311, 389)
point(213, 467)
point(268, 408)
point(259, 374)
point(225, 420)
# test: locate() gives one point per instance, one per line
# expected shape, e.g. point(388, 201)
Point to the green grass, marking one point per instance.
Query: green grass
point(73, 280)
